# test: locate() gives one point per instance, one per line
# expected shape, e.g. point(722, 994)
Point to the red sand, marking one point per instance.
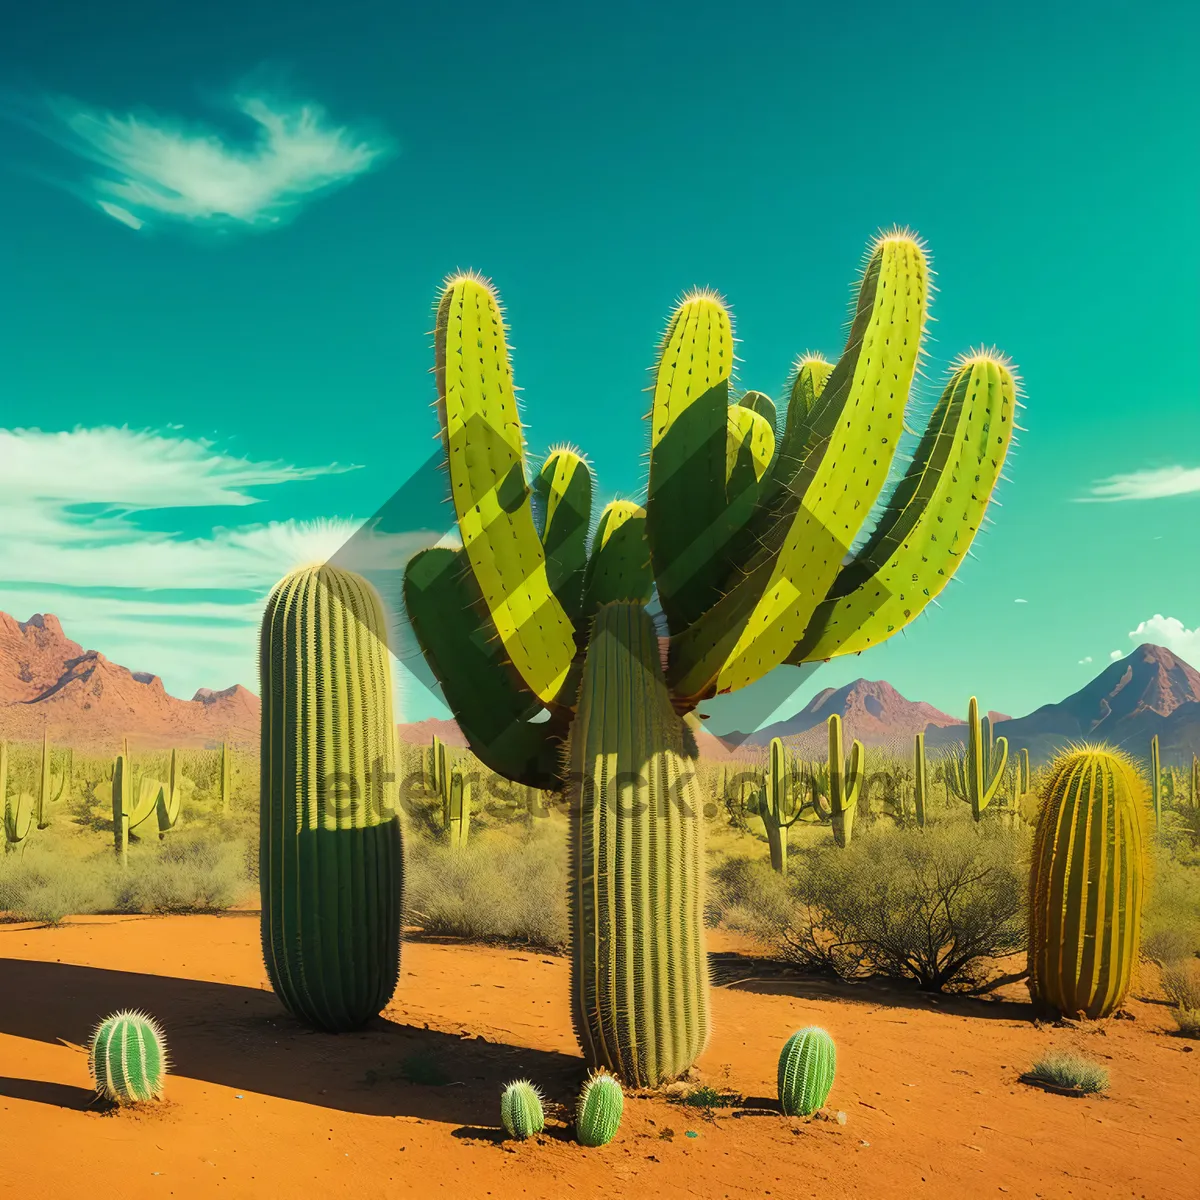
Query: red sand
point(259, 1106)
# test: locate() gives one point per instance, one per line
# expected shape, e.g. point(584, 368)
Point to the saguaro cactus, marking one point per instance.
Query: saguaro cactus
point(1155, 781)
point(1087, 882)
point(975, 775)
point(47, 793)
point(845, 780)
point(226, 782)
point(920, 779)
point(744, 538)
point(330, 857)
point(456, 808)
point(18, 809)
point(779, 804)
point(1195, 792)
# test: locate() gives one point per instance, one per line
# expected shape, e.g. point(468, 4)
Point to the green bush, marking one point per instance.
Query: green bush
point(1171, 920)
point(933, 905)
point(501, 887)
point(1067, 1070)
point(190, 871)
point(37, 884)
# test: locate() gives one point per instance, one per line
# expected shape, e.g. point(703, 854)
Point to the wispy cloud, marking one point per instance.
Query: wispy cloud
point(1083, 662)
point(1152, 484)
point(1020, 601)
point(155, 167)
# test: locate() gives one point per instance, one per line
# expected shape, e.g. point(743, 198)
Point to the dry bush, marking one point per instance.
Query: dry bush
point(37, 884)
point(935, 906)
point(501, 887)
point(1068, 1070)
point(1171, 920)
point(190, 871)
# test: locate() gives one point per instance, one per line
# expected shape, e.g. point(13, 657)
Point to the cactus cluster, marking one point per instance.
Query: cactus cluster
point(142, 805)
point(743, 538)
point(23, 812)
point(1087, 882)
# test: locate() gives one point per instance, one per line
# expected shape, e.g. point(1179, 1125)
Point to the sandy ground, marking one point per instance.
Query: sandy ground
point(259, 1106)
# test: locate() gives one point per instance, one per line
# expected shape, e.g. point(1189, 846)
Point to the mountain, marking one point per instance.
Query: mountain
point(874, 712)
point(50, 683)
point(1151, 691)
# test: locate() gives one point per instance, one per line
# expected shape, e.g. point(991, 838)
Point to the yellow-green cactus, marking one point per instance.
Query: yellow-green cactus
point(1087, 882)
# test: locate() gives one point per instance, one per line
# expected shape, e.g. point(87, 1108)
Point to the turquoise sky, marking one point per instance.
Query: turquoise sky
point(224, 227)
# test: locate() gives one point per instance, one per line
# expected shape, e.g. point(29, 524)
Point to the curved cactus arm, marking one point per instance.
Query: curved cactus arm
point(168, 800)
point(618, 567)
point(685, 509)
point(563, 490)
point(144, 809)
point(481, 433)
point(763, 405)
point(489, 700)
point(857, 422)
point(931, 519)
point(845, 782)
point(749, 448)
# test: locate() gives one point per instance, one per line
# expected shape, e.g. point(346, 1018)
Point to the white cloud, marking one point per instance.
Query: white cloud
point(1113, 655)
point(161, 167)
point(1083, 662)
point(1169, 632)
point(1020, 601)
point(1151, 484)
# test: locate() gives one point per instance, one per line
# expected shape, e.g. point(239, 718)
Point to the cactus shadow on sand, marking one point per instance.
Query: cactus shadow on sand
point(240, 1038)
point(41, 1091)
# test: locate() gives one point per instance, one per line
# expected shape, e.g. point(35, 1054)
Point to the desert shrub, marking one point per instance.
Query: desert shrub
point(37, 884)
point(1067, 1070)
point(746, 895)
point(1181, 983)
point(501, 887)
point(933, 905)
point(1171, 920)
point(190, 871)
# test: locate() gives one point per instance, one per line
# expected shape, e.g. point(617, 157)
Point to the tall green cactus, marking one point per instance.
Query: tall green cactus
point(330, 854)
point(1155, 782)
point(456, 808)
point(780, 804)
point(47, 793)
point(1087, 882)
point(920, 779)
point(744, 539)
point(975, 775)
point(639, 972)
point(19, 809)
point(226, 782)
point(135, 801)
point(845, 781)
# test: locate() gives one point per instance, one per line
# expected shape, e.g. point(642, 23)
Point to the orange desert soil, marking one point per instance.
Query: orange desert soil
point(259, 1106)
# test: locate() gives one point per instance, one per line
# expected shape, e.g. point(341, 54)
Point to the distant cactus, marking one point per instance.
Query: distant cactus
point(1195, 793)
point(521, 1110)
point(1087, 882)
point(47, 793)
point(18, 809)
point(845, 780)
point(456, 808)
point(598, 1115)
point(975, 774)
point(134, 802)
point(226, 780)
point(127, 1056)
point(806, 1068)
point(779, 804)
point(921, 779)
point(1155, 781)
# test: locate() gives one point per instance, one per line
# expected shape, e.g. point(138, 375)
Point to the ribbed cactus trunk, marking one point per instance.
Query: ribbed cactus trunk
point(639, 971)
point(330, 857)
point(1087, 883)
point(920, 779)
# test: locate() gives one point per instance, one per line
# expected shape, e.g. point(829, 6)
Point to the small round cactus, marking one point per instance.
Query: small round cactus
point(599, 1112)
point(521, 1110)
point(127, 1057)
point(806, 1069)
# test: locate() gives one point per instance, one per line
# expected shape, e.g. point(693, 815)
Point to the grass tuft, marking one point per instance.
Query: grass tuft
point(1066, 1070)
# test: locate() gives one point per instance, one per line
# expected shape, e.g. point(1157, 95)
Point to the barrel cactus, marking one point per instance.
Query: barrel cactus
point(127, 1057)
point(598, 1114)
point(1087, 882)
point(744, 540)
point(521, 1110)
point(806, 1069)
point(330, 855)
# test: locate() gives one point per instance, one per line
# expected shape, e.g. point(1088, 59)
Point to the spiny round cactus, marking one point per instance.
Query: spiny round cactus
point(127, 1057)
point(806, 1068)
point(599, 1113)
point(521, 1110)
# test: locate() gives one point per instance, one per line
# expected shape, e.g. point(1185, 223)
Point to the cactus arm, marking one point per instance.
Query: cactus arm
point(618, 567)
point(686, 503)
point(146, 806)
point(563, 488)
point(776, 799)
point(763, 405)
point(810, 373)
point(168, 800)
point(758, 622)
point(490, 702)
point(845, 780)
point(122, 783)
point(931, 520)
point(458, 809)
point(481, 433)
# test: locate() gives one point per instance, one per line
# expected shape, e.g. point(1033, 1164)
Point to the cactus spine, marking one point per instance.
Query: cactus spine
point(1155, 781)
point(598, 1115)
point(920, 779)
point(127, 1057)
point(1087, 882)
point(806, 1069)
point(521, 1110)
point(744, 539)
point(639, 972)
point(330, 854)
point(975, 777)
point(845, 781)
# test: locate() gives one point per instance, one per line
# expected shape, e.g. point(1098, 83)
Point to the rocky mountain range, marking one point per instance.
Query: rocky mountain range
point(50, 683)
